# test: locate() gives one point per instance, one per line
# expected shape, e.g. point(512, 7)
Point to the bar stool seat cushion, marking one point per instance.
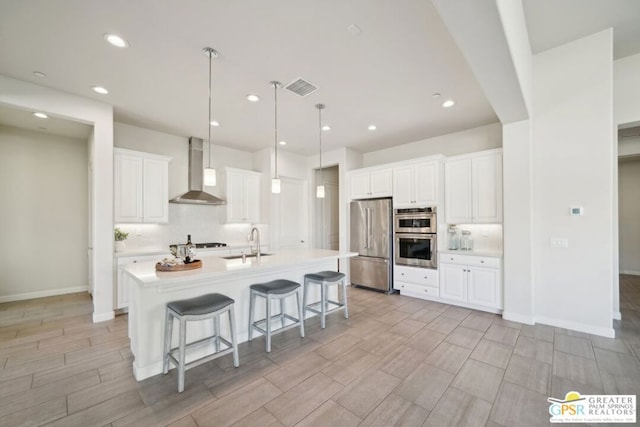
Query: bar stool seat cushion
point(281, 286)
point(200, 305)
point(325, 276)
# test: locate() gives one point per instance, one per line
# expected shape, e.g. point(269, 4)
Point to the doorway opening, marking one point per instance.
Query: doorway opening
point(326, 211)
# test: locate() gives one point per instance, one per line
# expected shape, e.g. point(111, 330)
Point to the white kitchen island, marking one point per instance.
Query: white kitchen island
point(150, 291)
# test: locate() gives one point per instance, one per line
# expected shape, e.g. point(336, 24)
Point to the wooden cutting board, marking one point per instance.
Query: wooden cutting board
point(179, 267)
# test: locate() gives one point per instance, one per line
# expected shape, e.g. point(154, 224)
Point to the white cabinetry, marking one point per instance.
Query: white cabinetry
point(141, 187)
point(122, 291)
point(416, 184)
point(241, 190)
point(473, 188)
point(471, 280)
point(416, 282)
point(370, 183)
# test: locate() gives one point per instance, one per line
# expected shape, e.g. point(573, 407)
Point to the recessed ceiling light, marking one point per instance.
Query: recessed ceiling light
point(283, 142)
point(100, 90)
point(40, 115)
point(39, 74)
point(326, 127)
point(116, 40)
point(253, 98)
point(354, 30)
point(448, 103)
point(215, 123)
point(436, 95)
point(372, 127)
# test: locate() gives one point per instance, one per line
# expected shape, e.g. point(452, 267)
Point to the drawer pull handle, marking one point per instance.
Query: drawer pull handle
point(482, 262)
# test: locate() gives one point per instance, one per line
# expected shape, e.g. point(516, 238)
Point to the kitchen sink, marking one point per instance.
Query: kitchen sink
point(240, 256)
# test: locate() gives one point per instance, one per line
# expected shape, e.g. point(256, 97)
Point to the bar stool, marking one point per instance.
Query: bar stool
point(209, 306)
point(326, 279)
point(274, 290)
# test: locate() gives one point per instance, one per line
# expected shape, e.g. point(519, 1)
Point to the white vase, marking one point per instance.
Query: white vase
point(120, 246)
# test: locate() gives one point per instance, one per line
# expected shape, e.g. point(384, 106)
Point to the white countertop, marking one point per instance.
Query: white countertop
point(164, 251)
point(215, 267)
point(492, 254)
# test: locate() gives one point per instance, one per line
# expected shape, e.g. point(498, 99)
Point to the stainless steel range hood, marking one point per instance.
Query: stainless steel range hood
point(195, 195)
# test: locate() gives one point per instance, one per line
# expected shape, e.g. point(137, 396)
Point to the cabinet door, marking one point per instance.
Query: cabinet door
point(458, 191)
point(484, 287)
point(453, 282)
point(156, 191)
point(403, 186)
point(426, 184)
point(236, 209)
point(381, 183)
point(487, 188)
point(251, 209)
point(127, 201)
point(360, 185)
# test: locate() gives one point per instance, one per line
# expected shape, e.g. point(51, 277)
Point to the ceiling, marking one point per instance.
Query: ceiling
point(11, 116)
point(386, 75)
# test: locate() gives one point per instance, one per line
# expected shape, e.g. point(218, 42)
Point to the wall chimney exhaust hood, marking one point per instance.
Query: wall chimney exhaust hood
point(195, 195)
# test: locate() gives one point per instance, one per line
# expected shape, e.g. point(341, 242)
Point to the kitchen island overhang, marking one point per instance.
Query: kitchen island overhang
point(150, 291)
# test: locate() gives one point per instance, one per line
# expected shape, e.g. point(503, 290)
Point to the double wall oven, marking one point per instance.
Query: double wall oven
point(415, 237)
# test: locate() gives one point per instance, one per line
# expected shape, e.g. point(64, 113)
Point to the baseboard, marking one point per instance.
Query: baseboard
point(42, 294)
point(520, 318)
point(630, 272)
point(617, 315)
point(574, 326)
point(102, 317)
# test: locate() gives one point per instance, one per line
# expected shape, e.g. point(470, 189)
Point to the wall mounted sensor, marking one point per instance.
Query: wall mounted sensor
point(576, 211)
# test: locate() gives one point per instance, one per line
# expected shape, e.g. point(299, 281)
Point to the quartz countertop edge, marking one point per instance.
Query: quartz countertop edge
point(492, 254)
point(215, 267)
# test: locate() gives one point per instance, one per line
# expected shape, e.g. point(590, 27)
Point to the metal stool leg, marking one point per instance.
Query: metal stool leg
point(323, 303)
point(300, 314)
point(252, 303)
point(304, 296)
point(216, 331)
point(234, 338)
point(268, 323)
point(182, 357)
point(282, 312)
point(344, 297)
point(168, 330)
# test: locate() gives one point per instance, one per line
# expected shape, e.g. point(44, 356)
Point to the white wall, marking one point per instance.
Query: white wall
point(43, 217)
point(629, 209)
point(468, 141)
point(518, 222)
point(573, 166)
point(37, 98)
point(626, 88)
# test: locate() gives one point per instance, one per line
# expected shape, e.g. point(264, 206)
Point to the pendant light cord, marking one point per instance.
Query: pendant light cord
point(320, 107)
point(275, 125)
point(209, 123)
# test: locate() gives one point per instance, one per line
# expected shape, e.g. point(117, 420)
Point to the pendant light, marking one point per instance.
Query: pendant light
point(275, 181)
point(320, 187)
point(209, 172)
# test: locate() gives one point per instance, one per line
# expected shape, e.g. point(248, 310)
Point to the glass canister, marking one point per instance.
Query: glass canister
point(454, 238)
point(466, 242)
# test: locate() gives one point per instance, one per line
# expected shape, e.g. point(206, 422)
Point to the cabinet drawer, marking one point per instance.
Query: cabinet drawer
point(471, 260)
point(404, 287)
point(418, 276)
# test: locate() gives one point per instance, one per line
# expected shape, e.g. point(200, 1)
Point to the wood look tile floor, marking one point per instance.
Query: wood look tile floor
point(395, 361)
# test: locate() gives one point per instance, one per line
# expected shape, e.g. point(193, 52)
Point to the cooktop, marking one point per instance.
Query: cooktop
point(206, 245)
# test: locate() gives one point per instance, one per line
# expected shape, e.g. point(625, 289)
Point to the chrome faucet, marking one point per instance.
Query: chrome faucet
point(255, 238)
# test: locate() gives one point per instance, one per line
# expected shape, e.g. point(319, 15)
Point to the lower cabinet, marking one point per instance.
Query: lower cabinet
point(472, 280)
point(416, 282)
point(121, 290)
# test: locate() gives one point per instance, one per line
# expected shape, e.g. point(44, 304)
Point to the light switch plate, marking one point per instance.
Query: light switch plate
point(559, 242)
point(576, 211)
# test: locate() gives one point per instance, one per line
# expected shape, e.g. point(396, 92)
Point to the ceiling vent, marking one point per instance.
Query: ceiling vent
point(301, 87)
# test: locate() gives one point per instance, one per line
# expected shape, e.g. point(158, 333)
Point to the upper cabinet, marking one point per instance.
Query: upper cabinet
point(473, 188)
point(416, 184)
point(370, 183)
point(141, 187)
point(241, 189)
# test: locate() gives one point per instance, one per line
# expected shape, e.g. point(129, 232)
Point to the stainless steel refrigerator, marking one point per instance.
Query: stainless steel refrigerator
point(371, 236)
